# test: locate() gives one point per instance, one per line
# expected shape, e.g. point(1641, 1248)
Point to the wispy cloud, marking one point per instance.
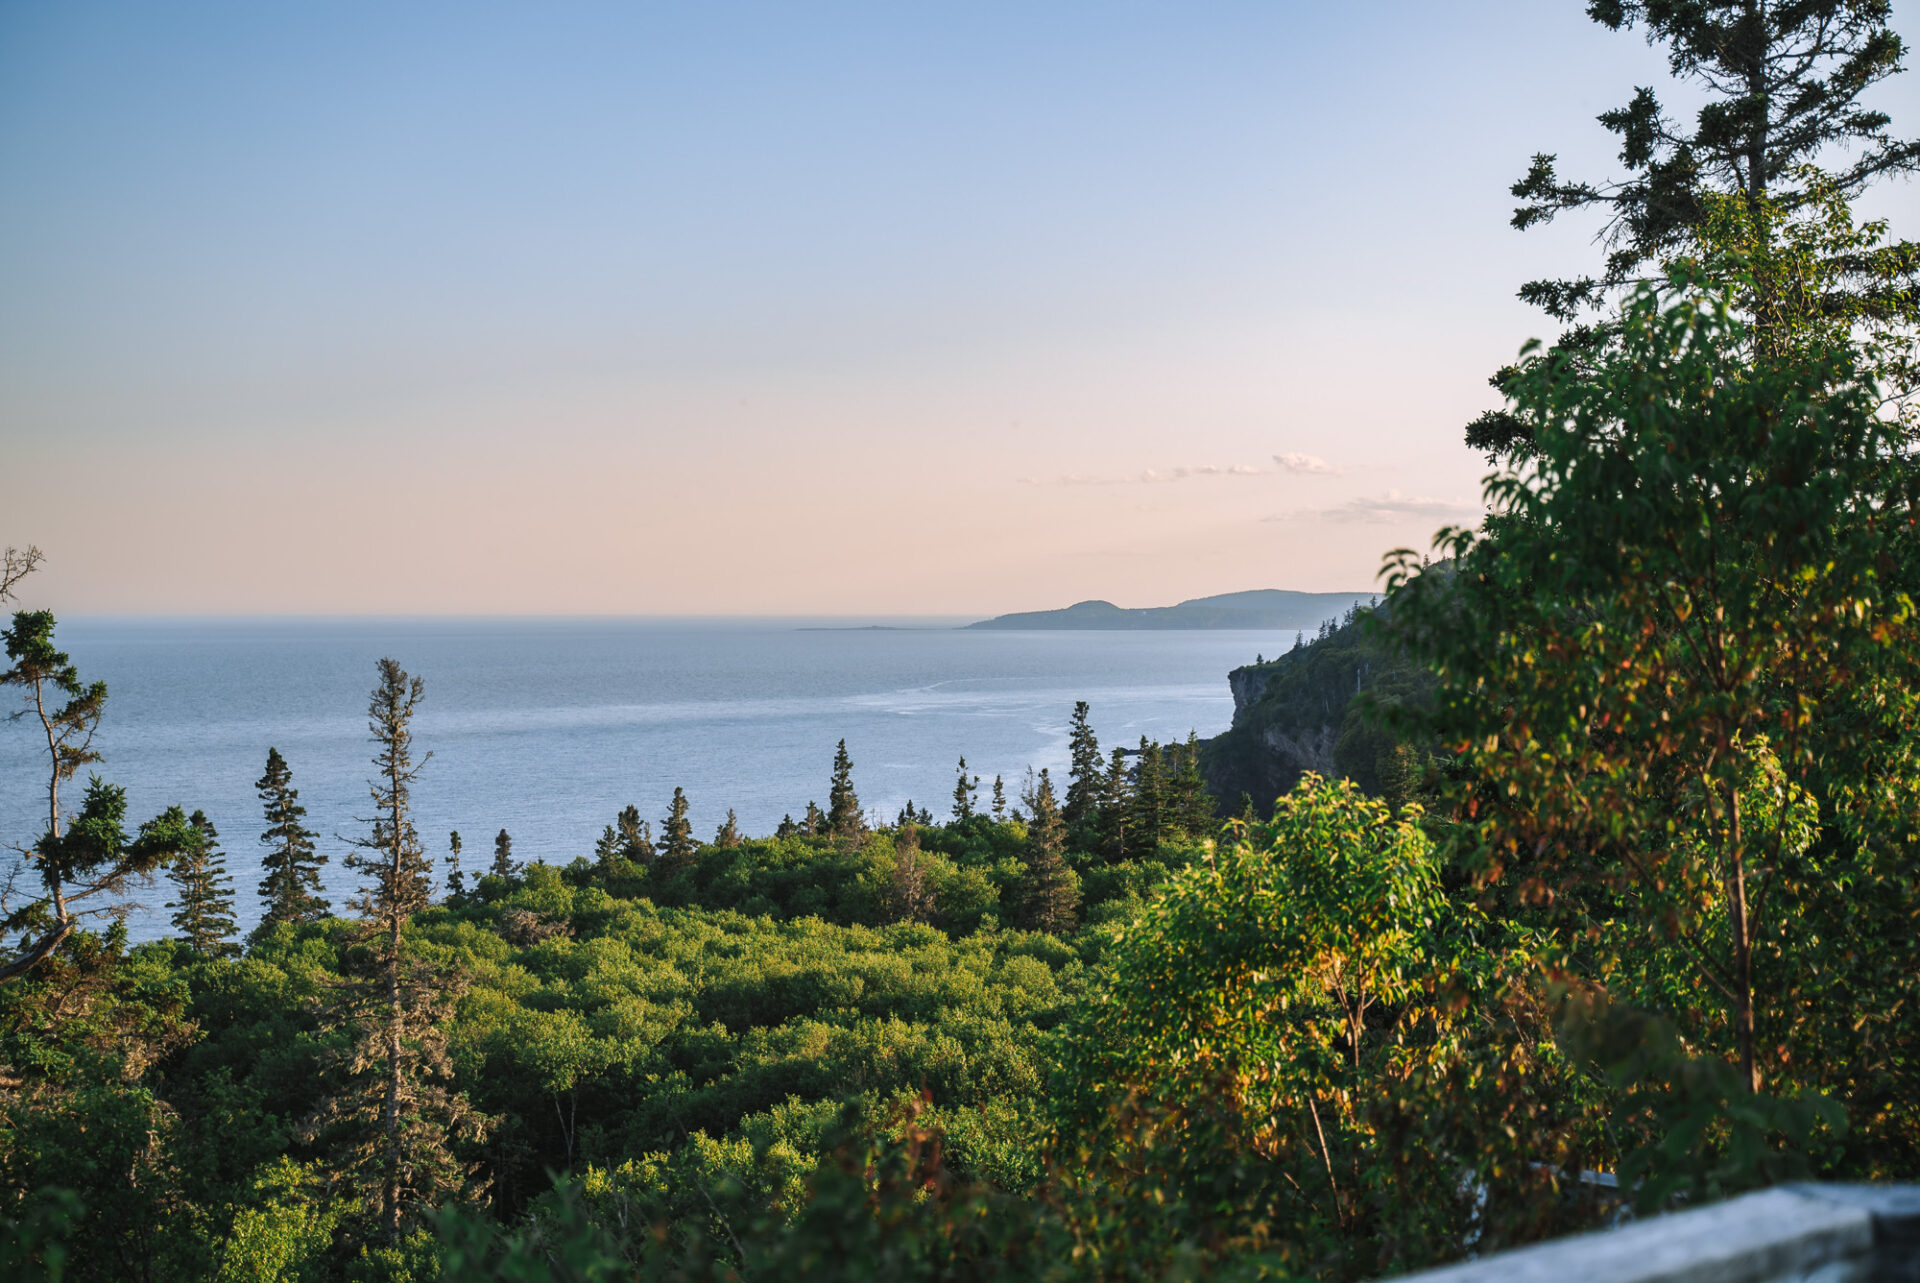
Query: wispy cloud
point(1307, 465)
point(1385, 509)
point(1152, 476)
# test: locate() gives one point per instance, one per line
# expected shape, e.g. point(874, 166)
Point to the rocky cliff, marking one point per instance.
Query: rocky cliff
point(1309, 711)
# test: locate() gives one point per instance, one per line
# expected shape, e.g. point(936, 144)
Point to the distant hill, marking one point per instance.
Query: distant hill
point(1260, 608)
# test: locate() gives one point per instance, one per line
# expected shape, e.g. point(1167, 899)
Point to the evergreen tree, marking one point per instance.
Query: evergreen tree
point(999, 800)
point(503, 862)
point(1087, 772)
point(45, 675)
point(607, 849)
point(676, 836)
point(1190, 805)
point(814, 824)
point(844, 821)
point(1782, 130)
point(729, 836)
point(787, 827)
point(1116, 809)
point(965, 790)
point(456, 880)
point(290, 891)
point(1049, 892)
point(1149, 796)
point(636, 837)
point(396, 1117)
point(203, 914)
point(911, 892)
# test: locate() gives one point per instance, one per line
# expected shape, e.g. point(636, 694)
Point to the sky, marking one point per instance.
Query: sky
point(834, 308)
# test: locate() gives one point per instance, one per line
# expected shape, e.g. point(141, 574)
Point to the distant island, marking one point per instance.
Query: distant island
point(1260, 608)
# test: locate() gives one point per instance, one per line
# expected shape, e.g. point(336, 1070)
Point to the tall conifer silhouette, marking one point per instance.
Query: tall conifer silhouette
point(290, 892)
point(844, 821)
point(1049, 892)
point(676, 831)
point(203, 915)
point(396, 1118)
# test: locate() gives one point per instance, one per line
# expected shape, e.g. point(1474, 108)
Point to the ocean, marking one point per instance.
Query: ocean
point(548, 727)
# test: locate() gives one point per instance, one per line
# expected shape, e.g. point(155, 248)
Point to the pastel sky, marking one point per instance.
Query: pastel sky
point(633, 308)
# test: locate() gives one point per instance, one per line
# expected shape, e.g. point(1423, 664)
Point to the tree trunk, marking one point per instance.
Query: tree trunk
point(1742, 948)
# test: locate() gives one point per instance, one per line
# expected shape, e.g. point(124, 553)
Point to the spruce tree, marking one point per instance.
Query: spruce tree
point(1189, 806)
point(844, 821)
point(290, 891)
point(1087, 773)
point(503, 862)
point(456, 880)
point(636, 841)
point(999, 801)
point(1049, 892)
point(676, 835)
point(607, 849)
point(729, 836)
point(1149, 796)
point(910, 890)
point(787, 827)
point(1116, 809)
point(814, 824)
point(396, 1118)
point(203, 913)
point(965, 790)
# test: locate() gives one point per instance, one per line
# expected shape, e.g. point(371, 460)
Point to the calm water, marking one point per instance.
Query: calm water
point(548, 727)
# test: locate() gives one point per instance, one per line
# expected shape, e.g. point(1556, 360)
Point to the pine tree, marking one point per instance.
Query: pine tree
point(1781, 133)
point(814, 824)
point(999, 801)
point(844, 821)
point(729, 837)
point(204, 912)
point(396, 1117)
point(1049, 891)
point(676, 835)
point(965, 790)
point(787, 827)
point(1087, 773)
point(503, 862)
point(291, 889)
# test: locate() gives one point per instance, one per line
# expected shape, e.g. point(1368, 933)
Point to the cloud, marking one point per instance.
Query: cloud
point(1385, 509)
point(1152, 476)
point(1308, 465)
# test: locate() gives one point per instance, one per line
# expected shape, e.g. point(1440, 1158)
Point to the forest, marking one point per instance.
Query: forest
point(1606, 903)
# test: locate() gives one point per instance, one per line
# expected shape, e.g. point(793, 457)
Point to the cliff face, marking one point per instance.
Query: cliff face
point(1304, 712)
point(1247, 685)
